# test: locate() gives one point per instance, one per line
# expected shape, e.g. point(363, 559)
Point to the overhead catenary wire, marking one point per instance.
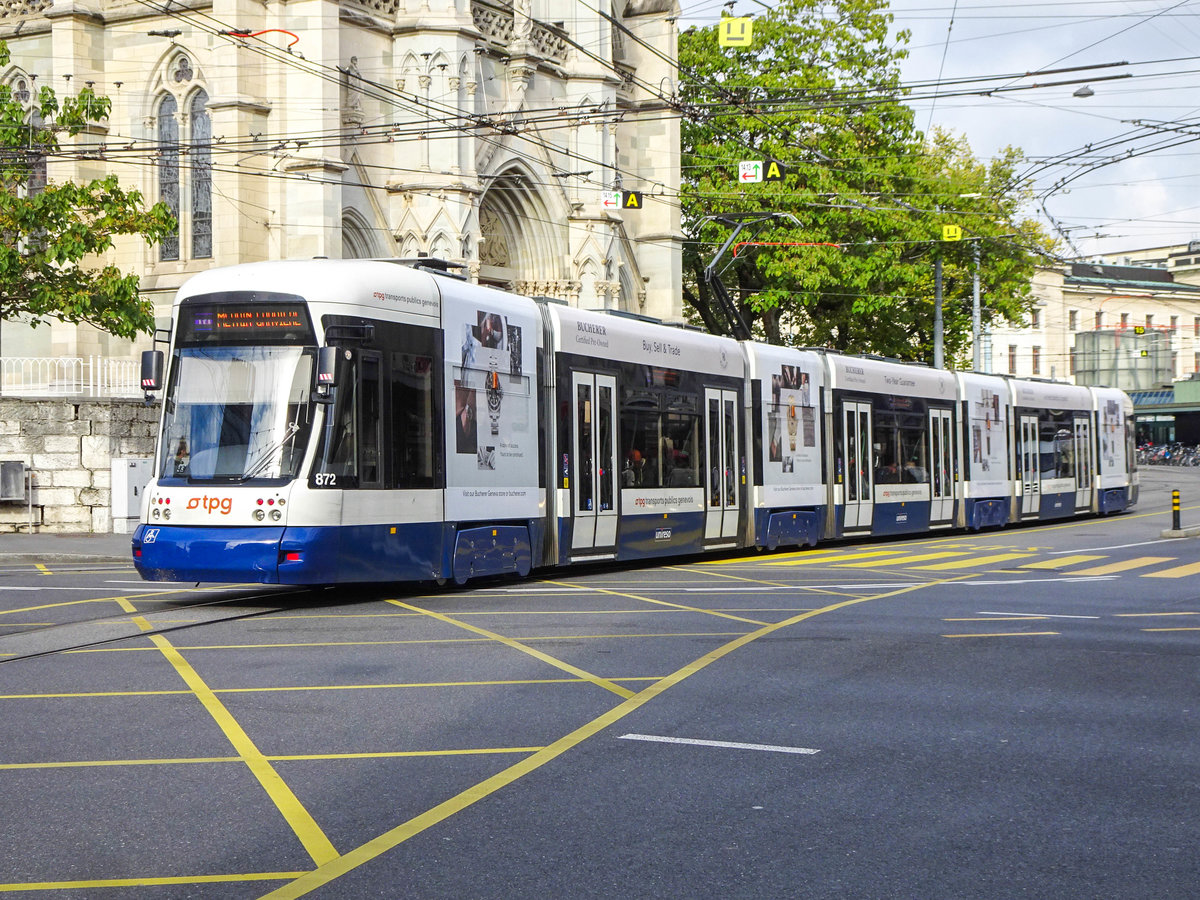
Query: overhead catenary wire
point(447, 128)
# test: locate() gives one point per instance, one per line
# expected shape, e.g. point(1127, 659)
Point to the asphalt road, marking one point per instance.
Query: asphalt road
point(1000, 715)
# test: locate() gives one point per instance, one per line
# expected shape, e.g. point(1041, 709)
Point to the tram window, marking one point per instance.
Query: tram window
point(583, 478)
point(714, 451)
point(337, 465)
point(605, 425)
point(730, 455)
point(681, 441)
point(851, 459)
point(384, 428)
point(639, 443)
point(900, 450)
point(659, 432)
point(368, 422)
point(1056, 452)
point(413, 406)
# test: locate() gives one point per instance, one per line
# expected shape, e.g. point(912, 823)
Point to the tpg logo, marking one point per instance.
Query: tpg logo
point(223, 505)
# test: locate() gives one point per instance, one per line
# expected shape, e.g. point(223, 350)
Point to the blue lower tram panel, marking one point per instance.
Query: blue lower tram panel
point(788, 527)
point(333, 555)
point(991, 513)
point(185, 553)
point(1113, 500)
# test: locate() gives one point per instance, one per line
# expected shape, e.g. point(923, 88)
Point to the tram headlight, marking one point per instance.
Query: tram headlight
point(155, 513)
point(276, 515)
point(166, 514)
point(259, 515)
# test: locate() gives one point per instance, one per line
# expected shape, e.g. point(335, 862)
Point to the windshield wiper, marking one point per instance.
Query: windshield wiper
point(267, 455)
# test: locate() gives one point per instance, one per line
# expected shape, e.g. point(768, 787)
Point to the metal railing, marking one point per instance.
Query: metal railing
point(69, 376)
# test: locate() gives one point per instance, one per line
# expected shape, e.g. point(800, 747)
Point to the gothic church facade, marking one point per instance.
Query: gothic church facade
point(496, 134)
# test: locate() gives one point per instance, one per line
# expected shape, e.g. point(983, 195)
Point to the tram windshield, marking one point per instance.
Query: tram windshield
point(236, 413)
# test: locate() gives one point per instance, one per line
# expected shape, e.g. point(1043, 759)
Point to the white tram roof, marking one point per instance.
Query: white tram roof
point(614, 337)
point(765, 360)
point(371, 286)
point(982, 381)
point(1049, 394)
point(1102, 394)
point(878, 376)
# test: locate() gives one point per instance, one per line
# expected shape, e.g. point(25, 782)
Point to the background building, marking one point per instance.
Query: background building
point(1136, 327)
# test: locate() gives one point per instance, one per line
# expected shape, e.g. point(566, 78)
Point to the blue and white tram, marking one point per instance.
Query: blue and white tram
point(1054, 464)
point(649, 456)
point(1115, 450)
point(337, 421)
point(789, 498)
point(986, 479)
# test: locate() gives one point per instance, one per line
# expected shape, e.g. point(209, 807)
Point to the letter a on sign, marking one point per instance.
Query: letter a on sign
point(773, 172)
point(735, 32)
point(631, 199)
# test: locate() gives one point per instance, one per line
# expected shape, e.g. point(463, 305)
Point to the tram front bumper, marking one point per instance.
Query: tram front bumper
point(216, 554)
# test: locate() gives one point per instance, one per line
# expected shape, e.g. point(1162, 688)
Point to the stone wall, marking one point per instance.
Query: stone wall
point(70, 445)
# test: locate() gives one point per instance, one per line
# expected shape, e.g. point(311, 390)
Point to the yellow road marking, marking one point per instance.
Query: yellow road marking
point(148, 882)
point(1175, 572)
point(1124, 566)
point(974, 561)
point(1004, 634)
point(517, 645)
point(401, 833)
point(463, 640)
point(300, 688)
point(1171, 629)
point(118, 599)
point(780, 584)
point(1141, 615)
point(290, 757)
point(901, 561)
point(42, 570)
point(830, 560)
point(690, 571)
point(758, 557)
point(294, 813)
point(1061, 562)
point(675, 606)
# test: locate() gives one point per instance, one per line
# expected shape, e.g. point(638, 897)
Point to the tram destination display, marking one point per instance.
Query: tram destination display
point(261, 322)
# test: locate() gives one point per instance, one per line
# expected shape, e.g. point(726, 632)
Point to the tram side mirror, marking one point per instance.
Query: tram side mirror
point(152, 370)
point(326, 373)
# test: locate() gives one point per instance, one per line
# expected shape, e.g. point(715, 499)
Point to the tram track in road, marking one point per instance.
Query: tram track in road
point(131, 623)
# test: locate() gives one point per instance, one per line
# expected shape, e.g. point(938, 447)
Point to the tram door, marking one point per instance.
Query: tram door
point(941, 466)
point(722, 492)
point(593, 403)
point(1031, 470)
point(1084, 463)
point(857, 452)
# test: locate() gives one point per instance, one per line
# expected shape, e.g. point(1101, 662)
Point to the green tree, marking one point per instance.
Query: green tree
point(820, 92)
point(50, 234)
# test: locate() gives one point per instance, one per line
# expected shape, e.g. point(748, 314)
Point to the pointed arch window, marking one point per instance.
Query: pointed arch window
point(168, 171)
point(35, 156)
point(201, 176)
point(184, 133)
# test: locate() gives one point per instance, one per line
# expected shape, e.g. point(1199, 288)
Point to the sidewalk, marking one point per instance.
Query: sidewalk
point(35, 548)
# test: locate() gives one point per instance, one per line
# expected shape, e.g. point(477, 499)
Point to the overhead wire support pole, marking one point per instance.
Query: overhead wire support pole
point(938, 352)
point(976, 315)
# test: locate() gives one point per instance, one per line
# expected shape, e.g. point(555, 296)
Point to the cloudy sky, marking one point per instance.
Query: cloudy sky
point(1130, 150)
